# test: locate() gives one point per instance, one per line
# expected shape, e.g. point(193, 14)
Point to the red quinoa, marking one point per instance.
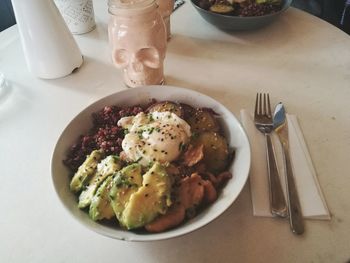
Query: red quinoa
point(105, 134)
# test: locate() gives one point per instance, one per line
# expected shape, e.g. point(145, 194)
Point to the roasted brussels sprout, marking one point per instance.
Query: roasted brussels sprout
point(203, 120)
point(215, 149)
point(221, 8)
point(166, 106)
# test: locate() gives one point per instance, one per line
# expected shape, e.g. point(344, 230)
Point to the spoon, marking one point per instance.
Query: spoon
point(294, 209)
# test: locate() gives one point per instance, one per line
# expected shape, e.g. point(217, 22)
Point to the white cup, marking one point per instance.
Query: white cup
point(78, 15)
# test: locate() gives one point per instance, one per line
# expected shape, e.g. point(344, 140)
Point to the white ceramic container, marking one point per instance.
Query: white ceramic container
point(49, 47)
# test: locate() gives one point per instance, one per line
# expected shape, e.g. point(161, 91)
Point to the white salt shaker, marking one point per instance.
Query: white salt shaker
point(49, 47)
point(78, 14)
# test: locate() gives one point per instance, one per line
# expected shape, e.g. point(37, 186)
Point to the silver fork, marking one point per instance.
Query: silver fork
point(264, 123)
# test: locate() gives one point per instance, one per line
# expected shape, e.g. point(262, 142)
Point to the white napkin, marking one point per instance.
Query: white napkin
point(312, 202)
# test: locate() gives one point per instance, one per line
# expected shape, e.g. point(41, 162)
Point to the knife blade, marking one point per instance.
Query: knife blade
point(294, 208)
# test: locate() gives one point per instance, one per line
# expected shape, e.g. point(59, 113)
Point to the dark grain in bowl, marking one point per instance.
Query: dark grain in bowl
point(245, 9)
point(104, 134)
point(239, 23)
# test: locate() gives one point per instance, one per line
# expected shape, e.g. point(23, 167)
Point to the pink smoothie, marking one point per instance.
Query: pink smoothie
point(165, 9)
point(138, 40)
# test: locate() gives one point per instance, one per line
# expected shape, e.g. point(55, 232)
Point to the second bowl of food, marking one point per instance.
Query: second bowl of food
point(150, 163)
point(239, 15)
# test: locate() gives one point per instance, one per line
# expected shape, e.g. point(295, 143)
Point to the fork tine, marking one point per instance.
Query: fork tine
point(260, 103)
point(264, 113)
point(256, 105)
point(268, 105)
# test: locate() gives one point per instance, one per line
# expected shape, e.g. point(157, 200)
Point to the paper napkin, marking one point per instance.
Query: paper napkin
point(312, 201)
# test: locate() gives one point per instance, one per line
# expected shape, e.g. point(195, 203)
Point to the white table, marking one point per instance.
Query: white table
point(299, 59)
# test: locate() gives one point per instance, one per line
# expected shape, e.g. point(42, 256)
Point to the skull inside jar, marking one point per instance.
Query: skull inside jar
point(137, 36)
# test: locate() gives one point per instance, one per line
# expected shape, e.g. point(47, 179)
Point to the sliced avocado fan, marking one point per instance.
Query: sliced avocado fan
point(85, 171)
point(100, 206)
point(106, 167)
point(124, 184)
point(150, 200)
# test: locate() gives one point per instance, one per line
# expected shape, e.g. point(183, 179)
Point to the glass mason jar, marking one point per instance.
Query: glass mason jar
point(165, 9)
point(138, 40)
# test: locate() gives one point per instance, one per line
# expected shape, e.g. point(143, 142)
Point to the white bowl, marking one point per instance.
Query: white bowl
point(234, 132)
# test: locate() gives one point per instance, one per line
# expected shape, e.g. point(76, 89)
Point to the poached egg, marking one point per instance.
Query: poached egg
point(156, 136)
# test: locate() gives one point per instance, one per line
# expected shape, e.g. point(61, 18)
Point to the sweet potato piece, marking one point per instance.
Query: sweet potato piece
point(223, 177)
point(212, 178)
point(210, 194)
point(191, 191)
point(172, 218)
point(193, 155)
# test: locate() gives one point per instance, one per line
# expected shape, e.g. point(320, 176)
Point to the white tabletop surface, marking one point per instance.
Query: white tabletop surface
point(299, 59)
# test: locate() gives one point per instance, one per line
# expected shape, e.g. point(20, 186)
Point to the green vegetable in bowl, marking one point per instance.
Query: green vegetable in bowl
point(166, 106)
point(216, 150)
point(271, 2)
point(105, 168)
point(125, 183)
point(150, 200)
point(221, 8)
point(86, 171)
point(203, 120)
point(241, 7)
point(100, 206)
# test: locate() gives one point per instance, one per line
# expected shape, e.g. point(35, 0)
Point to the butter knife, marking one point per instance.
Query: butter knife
point(294, 209)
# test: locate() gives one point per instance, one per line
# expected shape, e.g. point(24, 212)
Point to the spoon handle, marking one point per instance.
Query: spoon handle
point(294, 209)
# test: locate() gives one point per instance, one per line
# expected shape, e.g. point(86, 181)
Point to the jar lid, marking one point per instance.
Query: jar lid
point(130, 3)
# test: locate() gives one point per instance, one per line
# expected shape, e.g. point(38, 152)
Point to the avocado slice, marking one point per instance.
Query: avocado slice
point(124, 183)
point(150, 200)
point(85, 171)
point(106, 167)
point(100, 206)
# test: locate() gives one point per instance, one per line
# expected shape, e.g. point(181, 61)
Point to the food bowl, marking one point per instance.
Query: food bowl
point(239, 23)
point(233, 131)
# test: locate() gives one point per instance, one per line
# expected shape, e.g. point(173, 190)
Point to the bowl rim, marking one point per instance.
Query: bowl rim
point(172, 233)
point(285, 6)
